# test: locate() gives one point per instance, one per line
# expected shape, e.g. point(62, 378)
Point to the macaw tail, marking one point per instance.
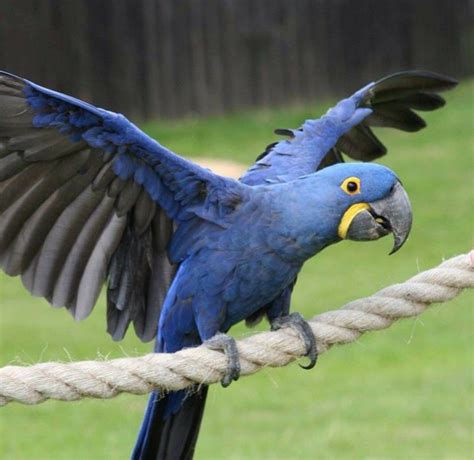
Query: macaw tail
point(171, 426)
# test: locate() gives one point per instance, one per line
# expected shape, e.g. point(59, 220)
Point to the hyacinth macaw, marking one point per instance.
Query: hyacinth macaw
point(88, 199)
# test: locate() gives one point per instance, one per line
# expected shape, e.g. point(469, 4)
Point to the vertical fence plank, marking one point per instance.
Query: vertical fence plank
point(165, 44)
point(151, 58)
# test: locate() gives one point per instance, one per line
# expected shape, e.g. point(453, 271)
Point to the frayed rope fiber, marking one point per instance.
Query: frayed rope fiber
point(106, 379)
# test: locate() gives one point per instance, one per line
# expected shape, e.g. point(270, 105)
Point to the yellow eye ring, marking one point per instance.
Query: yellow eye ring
point(351, 185)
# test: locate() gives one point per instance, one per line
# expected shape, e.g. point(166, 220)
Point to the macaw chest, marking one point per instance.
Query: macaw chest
point(244, 281)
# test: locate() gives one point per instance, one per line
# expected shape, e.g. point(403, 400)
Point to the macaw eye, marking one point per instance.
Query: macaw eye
point(351, 185)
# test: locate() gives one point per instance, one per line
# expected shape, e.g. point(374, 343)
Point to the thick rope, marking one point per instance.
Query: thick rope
point(106, 379)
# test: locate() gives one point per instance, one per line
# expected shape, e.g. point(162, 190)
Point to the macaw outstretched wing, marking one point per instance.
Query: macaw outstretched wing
point(88, 198)
point(346, 128)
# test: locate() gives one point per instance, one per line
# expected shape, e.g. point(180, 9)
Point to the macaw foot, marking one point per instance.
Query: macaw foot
point(228, 345)
point(300, 325)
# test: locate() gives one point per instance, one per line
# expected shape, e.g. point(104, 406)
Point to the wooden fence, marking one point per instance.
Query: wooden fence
point(165, 58)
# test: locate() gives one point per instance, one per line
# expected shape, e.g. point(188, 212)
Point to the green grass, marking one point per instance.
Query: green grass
point(402, 393)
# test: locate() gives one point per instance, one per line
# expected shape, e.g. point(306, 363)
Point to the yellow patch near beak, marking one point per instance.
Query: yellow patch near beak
point(348, 217)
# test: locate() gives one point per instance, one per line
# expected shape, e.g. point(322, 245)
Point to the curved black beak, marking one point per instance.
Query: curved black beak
point(392, 214)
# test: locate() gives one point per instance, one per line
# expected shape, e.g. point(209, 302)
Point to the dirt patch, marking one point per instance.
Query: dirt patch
point(223, 167)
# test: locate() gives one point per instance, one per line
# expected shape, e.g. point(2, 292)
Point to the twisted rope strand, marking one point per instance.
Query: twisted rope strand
point(106, 379)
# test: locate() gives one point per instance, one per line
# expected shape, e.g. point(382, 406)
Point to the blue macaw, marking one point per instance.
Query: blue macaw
point(87, 198)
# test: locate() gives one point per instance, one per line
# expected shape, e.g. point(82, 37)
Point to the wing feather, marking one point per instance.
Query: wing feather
point(83, 192)
point(11, 164)
point(59, 243)
point(16, 186)
point(127, 198)
point(360, 143)
point(143, 213)
point(96, 269)
point(389, 102)
point(67, 283)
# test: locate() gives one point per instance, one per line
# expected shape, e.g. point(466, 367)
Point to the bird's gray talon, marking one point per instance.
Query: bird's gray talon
point(300, 325)
point(228, 345)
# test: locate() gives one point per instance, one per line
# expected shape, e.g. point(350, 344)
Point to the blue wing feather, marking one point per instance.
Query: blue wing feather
point(126, 171)
point(346, 128)
point(174, 183)
point(301, 155)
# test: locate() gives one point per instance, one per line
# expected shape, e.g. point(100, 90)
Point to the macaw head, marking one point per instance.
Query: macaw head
point(375, 203)
point(361, 202)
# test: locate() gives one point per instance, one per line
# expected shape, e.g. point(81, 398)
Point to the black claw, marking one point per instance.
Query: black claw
point(228, 345)
point(300, 325)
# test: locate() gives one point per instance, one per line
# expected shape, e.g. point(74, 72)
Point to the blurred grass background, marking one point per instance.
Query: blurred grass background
point(403, 393)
